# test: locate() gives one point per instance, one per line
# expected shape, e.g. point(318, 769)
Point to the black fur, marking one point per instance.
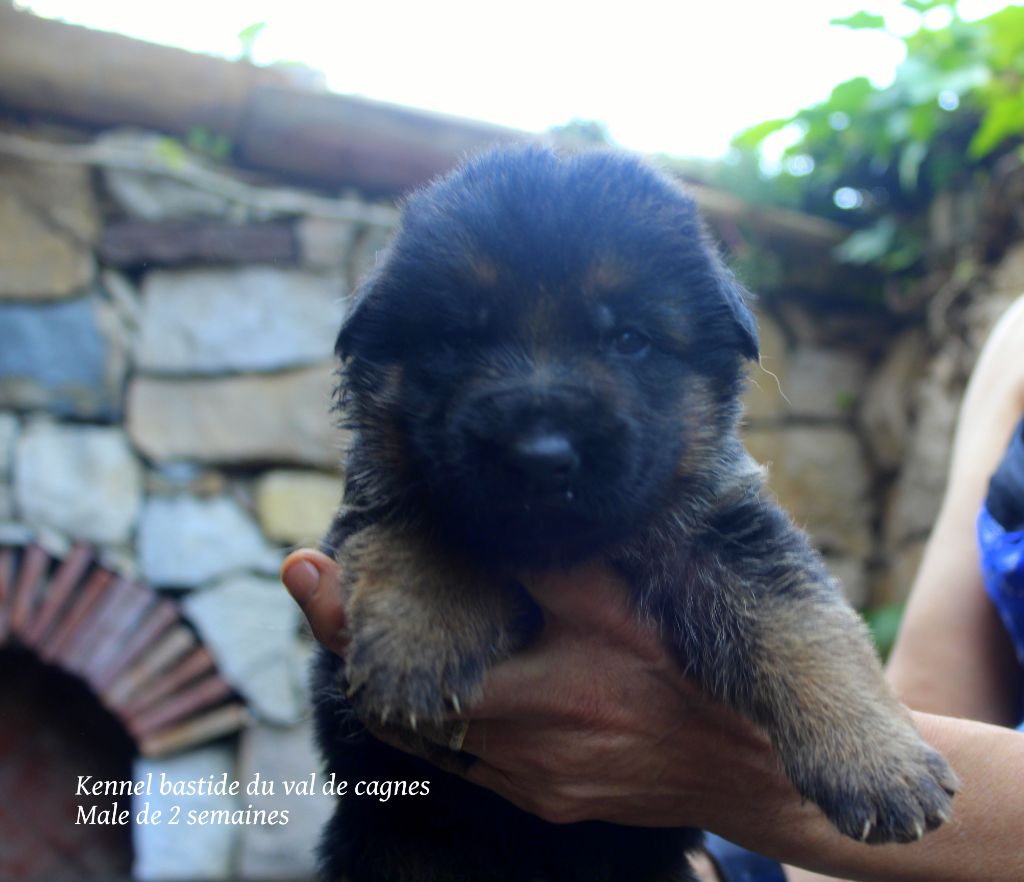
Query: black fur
point(546, 367)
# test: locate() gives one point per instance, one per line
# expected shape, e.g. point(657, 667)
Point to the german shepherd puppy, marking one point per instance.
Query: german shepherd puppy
point(544, 368)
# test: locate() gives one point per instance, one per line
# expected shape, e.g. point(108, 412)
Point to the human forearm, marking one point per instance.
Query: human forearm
point(980, 842)
point(971, 671)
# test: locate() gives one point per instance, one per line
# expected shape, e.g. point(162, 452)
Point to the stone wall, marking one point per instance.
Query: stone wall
point(165, 378)
point(911, 407)
point(857, 432)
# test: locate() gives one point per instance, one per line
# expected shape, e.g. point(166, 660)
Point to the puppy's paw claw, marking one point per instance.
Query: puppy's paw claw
point(418, 691)
point(896, 798)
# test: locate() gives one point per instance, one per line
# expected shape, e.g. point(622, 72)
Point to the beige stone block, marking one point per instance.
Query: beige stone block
point(325, 242)
point(35, 262)
point(917, 496)
point(823, 383)
point(852, 575)
point(296, 507)
point(821, 479)
point(897, 578)
point(273, 418)
point(885, 413)
point(766, 381)
point(48, 222)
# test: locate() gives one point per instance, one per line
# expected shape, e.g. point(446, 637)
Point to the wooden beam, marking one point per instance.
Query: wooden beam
point(135, 243)
point(768, 221)
point(311, 137)
point(103, 79)
point(100, 79)
point(336, 139)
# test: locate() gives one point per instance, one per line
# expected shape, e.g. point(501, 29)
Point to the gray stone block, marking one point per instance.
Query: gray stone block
point(83, 481)
point(215, 321)
point(283, 851)
point(167, 851)
point(8, 433)
point(184, 541)
point(61, 357)
point(251, 627)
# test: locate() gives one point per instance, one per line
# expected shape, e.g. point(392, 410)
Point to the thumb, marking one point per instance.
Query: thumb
point(313, 581)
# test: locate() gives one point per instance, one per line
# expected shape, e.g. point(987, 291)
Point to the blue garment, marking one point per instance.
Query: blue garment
point(1001, 542)
point(736, 864)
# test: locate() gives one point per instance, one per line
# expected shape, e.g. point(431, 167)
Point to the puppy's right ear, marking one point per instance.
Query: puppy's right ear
point(361, 331)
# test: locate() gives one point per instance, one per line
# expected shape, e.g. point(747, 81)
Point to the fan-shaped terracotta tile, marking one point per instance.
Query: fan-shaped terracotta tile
point(131, 645)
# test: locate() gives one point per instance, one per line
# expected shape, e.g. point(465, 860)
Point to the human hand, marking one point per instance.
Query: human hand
point(594, 720)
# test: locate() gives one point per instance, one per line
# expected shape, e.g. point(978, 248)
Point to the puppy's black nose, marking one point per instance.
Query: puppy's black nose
point(547, 459)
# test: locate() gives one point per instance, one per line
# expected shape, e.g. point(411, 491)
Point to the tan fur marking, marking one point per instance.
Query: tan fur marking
point(415, 619)
point(604, 275)
point(701, 433)
point(483, 271)
point(539, 323)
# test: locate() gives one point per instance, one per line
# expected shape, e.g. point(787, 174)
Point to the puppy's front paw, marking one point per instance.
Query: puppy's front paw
point(392, 680)
point(893, 791)
point(422, 629)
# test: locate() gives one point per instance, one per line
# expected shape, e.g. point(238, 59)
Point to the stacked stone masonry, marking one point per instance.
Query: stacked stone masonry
point(165, 389)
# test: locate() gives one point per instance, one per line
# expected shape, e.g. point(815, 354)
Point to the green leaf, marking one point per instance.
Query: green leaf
point(868, 245)
point(750, 139)
point(172, 152)
point(925, 5)
point(1005, 32)
point(203, 141)
point(911, 158)
point(850, 96)
point(860, 21)
point(845, 400)
point(884, 624)
point(247, 37)
point(1004, 119)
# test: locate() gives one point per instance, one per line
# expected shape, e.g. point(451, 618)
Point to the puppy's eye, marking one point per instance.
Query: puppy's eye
point(629, 342)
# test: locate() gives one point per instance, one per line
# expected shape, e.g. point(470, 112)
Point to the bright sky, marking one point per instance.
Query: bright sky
point(676, 77)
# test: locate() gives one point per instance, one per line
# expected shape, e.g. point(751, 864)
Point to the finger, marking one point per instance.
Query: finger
point(311, 578)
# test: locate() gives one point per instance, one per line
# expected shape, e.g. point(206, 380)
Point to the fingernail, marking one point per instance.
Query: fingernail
point(301, 579)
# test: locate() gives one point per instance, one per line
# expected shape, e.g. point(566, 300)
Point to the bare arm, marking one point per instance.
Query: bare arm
point(981, 842)
point(953, 656)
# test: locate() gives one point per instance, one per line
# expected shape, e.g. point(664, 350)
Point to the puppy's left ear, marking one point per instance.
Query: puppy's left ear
point(737, 300)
